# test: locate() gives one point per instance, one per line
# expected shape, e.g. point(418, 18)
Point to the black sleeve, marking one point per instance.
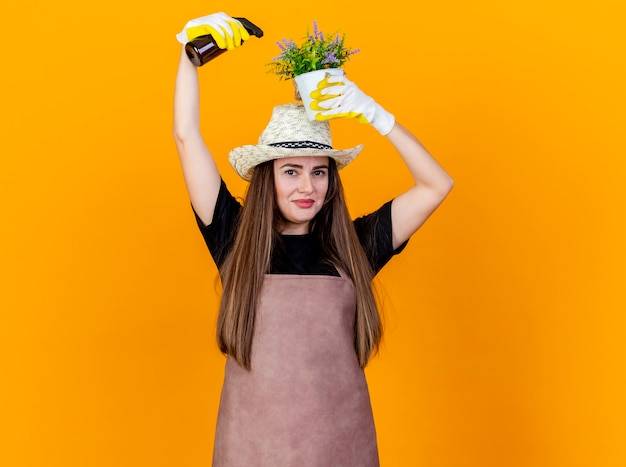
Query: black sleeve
point(375, 233)
point(219, 235)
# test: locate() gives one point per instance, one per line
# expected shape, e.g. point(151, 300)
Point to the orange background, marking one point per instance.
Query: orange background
point(505, 341)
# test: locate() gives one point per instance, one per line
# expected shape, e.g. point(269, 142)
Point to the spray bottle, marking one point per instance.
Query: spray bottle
point(204, 48)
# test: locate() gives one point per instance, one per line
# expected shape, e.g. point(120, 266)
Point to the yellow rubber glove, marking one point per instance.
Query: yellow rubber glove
point(337, 96)
point(227, 32)
point(318, 97)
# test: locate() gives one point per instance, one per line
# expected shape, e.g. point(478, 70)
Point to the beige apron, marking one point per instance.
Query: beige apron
point(305, 402)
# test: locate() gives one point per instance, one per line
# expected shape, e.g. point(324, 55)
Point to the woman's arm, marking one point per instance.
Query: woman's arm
point(201, 175)
point(337, 96)
point(199, 170)
point(432, 184)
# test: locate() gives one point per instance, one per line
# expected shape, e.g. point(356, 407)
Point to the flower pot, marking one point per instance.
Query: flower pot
point(307, 83)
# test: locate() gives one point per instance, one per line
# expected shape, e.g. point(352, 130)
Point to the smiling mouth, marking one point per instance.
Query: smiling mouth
point(304, 203)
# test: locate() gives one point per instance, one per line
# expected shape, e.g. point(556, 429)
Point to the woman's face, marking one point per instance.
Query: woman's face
point(301, 185)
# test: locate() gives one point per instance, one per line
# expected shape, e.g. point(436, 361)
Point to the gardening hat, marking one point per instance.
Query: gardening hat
point(289, 133)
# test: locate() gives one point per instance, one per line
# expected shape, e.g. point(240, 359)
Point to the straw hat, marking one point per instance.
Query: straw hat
point(288, 134)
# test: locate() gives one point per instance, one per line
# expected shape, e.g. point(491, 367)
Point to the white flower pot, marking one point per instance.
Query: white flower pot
point(307, 82)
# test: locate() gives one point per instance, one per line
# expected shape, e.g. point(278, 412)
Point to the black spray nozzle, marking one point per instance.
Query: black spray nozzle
point(252, 28)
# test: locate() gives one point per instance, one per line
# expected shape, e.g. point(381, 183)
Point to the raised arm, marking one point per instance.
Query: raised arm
point(432, 184)
point(201, 175)
point(336, 97)
point(199, 170)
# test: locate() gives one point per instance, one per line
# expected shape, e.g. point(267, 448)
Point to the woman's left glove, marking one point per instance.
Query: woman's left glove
point(227, 32)
point(337, 96)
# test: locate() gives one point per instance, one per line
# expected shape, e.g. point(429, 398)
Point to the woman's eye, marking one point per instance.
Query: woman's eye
point(319, 173)
point(290, 172)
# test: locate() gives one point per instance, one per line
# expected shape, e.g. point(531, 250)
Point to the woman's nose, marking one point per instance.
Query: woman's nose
point(305, 185)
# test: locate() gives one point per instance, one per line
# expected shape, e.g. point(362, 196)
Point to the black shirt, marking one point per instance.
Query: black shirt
point(301, 253)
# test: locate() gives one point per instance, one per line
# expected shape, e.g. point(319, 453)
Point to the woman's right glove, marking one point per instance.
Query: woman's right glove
point(227, 32)
point(337, 96)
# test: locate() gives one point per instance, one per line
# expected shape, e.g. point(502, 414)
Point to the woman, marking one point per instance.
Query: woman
point(297, 319)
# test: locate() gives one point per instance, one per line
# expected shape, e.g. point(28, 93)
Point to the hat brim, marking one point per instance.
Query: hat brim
point(245, 158)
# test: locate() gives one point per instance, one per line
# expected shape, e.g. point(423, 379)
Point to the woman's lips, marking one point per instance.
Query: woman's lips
point(304, 203)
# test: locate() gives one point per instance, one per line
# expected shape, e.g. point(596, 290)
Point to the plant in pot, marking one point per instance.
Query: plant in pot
point(309, 62)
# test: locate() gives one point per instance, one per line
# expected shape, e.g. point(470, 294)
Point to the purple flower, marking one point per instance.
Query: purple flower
point(330, 59)
point(317, 34)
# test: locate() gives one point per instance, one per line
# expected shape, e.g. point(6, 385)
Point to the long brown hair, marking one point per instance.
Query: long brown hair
point(249, 260)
